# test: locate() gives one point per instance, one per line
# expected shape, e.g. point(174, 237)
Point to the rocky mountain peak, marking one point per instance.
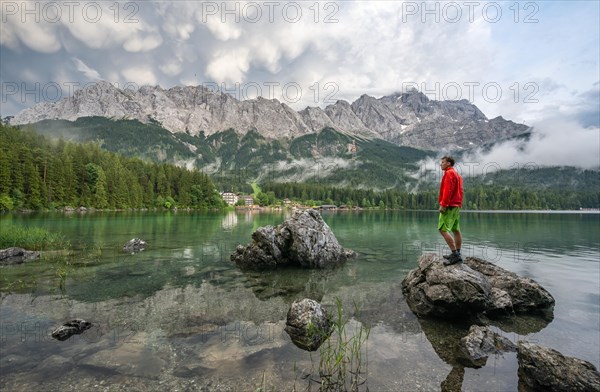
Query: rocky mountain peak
point(408, 118)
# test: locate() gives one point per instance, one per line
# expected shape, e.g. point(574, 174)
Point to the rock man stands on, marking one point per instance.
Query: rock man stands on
point(450, 200)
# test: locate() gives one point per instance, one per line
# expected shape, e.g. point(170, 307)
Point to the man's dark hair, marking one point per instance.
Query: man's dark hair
point(449, 159)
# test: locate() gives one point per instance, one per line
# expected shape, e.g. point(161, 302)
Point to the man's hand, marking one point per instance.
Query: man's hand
point(442, 209)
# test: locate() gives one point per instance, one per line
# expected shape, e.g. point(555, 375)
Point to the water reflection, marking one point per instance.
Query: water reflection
point(229, 221)
point(290, 284)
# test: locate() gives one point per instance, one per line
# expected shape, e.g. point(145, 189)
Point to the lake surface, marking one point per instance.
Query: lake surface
point(181, 316)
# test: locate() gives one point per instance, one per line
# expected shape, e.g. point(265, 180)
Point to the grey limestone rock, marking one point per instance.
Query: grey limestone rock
point(16, 255)
point(545, 369)
point(407, 119)
point(134, 245)
point(308, 324)
point(470, 289)
point(525, 294)
point(70, 328)
point(481, 342)
point(304, 240)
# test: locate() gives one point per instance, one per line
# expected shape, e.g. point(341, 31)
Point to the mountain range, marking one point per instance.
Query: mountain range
point(407, 119)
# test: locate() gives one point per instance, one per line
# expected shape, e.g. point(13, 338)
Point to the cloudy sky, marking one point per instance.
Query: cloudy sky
point(530, 62)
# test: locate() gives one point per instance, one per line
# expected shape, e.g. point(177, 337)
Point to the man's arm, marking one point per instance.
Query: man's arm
point(448, 183)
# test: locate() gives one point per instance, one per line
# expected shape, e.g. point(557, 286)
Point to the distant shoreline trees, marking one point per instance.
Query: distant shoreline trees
point(477, 197)
point(37, 173)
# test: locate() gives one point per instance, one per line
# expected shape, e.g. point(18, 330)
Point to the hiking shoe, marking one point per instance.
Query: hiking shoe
point(454, 258)
point(447, 257)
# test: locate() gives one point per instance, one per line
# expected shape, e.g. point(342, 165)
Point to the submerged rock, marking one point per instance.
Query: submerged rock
point(482, 342)
point(470, 289)
point(16, 255)
point(308, 324)
point(134, 245)
point(68, 329)
point(304, 240)
point(545, 369)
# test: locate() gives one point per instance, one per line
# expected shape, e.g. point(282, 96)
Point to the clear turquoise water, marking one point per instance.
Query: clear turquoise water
point(181, 316)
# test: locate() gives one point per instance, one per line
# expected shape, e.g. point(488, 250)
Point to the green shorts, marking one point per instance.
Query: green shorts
point(450, 219)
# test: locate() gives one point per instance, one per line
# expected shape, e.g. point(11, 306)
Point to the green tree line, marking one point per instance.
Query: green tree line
point(478, 197)
point(38, 173)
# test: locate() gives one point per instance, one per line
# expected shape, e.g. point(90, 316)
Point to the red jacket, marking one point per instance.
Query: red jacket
point(451, 189)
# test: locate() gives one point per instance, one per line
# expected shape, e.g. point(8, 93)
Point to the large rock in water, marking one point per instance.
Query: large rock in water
point(17, 255)
point(545, 369)
point(304, 240)
point(470, 289)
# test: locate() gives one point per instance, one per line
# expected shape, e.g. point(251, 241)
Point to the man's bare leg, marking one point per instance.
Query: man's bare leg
point(457, 239)
point(449, 239)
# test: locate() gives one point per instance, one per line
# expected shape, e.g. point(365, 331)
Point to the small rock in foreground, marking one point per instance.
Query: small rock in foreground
point(134, 245)
point(482, 342)
point(68, 329)
point(16, 255)
point(308, 324)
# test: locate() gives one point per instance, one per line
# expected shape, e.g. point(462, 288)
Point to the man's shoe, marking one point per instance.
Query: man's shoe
point(453, 259)
point(447, 257)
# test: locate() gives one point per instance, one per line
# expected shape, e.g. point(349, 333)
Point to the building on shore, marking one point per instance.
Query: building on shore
point(230, 198)
point(233, 198)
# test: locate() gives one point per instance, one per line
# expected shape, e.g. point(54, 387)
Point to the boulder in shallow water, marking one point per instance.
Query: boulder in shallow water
point(304, 240)
point(545, 369)
point(481, 342)
point(470, 289)
point(134, 245)
point(68, 329)
point(308, 324)
point(17, 255)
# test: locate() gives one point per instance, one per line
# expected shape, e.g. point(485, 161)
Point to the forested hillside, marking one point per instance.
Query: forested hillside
point(236, 160)
point(36, 173)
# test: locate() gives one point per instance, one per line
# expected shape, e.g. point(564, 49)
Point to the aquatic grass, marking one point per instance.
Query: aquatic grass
point(31, 238)
point(263, 385)
point(343, 359)
point(17, 285)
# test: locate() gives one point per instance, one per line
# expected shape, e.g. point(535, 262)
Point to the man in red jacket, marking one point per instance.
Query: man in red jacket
point(450, 199)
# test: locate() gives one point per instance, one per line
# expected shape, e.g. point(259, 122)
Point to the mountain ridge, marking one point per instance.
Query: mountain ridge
point(405, 119)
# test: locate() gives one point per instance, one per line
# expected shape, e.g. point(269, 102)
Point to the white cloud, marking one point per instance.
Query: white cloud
point(554, 142)
point(229, 66)
point(177, 19)
point(90, 73)
point(221, 30)
point(41, 37)
point(103, 33)
point(8, 35)
point(141, 75)
point(143, 44)
point(171, 68)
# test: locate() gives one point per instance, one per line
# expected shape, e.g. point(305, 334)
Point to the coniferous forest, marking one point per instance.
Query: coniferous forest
point(38, 173)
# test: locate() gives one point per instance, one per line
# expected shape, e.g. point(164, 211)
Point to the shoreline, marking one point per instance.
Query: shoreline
point(274, 209)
